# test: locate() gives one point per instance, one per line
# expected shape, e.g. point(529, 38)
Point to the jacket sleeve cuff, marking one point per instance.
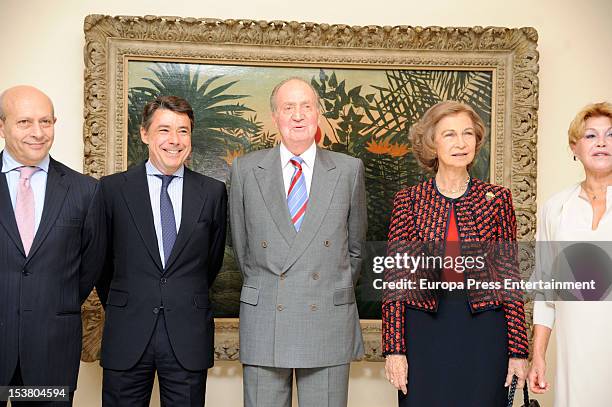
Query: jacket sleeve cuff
point(544, 313)
point(393, 341)
point(518, 355)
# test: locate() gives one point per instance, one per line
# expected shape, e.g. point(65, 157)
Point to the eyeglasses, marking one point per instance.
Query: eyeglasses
point(25, 124)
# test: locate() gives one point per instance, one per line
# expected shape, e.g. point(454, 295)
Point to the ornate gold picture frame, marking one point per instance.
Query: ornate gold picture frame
point(508, 56)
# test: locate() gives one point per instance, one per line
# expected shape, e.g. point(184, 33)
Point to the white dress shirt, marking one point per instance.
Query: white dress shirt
point(307, 166)
point(175, 190)
point(38, 183)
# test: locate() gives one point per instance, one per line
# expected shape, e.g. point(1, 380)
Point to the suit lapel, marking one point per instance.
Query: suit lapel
point(7, 215)
point(194, 199)
point(269, 176)
point(55, 194)
point(324, 180)
point(135, 191)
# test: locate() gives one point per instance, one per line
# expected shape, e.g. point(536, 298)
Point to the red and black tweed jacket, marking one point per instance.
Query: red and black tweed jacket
point(484, 214)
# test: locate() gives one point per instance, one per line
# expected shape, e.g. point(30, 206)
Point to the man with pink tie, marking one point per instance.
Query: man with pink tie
point(50, 244)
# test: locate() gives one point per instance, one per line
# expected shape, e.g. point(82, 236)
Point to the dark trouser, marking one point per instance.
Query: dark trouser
point(178, 387)
point(17, 380)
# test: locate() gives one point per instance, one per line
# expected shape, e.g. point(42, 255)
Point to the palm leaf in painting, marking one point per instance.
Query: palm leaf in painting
point(220, 117)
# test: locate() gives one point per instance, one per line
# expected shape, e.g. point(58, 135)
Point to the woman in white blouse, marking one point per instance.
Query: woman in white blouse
point(582, 212)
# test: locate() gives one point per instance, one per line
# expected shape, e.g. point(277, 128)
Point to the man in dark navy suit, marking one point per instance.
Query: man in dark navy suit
point(166, 226)
point(49, 248)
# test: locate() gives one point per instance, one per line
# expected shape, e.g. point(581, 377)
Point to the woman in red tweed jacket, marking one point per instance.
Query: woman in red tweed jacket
point(464, 345)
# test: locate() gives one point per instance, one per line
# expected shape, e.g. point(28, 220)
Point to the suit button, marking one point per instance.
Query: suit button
point(25, 272)
point(264, 244)
point(280, 307)
point(313, 307)
point(326, 243)
point(283, 276)
point(155, 310)
point(163, 280)
point(315, 276)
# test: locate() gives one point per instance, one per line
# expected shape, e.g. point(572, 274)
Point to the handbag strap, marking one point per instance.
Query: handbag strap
point(513, 390)
point(526, 396)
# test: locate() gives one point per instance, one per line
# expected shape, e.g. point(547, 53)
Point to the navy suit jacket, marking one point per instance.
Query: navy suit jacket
point(41, 294)
point(134, 284)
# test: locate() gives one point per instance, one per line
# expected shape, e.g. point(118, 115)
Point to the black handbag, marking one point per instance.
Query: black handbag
point(526, 401)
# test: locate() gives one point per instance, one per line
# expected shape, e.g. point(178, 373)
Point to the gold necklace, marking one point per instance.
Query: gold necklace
point(590, 194)
point(453, 191)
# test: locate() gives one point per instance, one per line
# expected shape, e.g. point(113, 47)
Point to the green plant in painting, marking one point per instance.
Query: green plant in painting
point(344, 111)
point(411, 92)
point(221, 122)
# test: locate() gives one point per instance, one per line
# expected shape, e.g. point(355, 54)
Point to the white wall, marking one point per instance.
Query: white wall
point(42, 45)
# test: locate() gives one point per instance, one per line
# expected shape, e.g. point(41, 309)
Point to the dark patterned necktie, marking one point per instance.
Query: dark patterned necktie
point(168, 223)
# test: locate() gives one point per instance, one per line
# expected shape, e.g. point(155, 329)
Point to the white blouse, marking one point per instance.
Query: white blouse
point(566, 216)
point(583, 328)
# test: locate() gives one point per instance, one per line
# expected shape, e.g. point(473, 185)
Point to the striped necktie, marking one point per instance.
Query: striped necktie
point(297, 196)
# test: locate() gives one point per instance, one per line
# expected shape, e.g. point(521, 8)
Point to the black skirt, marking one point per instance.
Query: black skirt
point(455, 358)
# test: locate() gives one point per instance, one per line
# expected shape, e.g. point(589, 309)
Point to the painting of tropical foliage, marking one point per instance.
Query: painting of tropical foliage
point(366, 113)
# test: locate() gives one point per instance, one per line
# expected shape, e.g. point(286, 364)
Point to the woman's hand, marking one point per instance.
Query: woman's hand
point(537, 376)
point(396, 371)
point(516, 367)
point(541, 336)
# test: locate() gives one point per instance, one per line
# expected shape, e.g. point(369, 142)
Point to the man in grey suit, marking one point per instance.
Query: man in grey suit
point(298, 218)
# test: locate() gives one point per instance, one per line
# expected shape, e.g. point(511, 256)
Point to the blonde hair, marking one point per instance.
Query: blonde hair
point(422, 132)
point(578, 125)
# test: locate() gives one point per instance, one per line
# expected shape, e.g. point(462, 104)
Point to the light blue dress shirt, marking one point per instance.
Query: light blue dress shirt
point(175, 190)
point(38, 183)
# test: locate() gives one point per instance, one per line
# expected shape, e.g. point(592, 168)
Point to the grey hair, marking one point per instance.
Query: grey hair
point(2, 114)
point(293, 78)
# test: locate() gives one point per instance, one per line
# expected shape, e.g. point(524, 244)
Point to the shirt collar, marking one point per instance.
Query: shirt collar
point(10, 164)
point(152, 170)
point(308, 156)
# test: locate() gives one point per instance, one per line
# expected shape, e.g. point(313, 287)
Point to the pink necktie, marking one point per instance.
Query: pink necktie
point(24, 207)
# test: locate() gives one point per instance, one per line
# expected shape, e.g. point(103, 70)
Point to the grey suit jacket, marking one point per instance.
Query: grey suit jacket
point(297, 304)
